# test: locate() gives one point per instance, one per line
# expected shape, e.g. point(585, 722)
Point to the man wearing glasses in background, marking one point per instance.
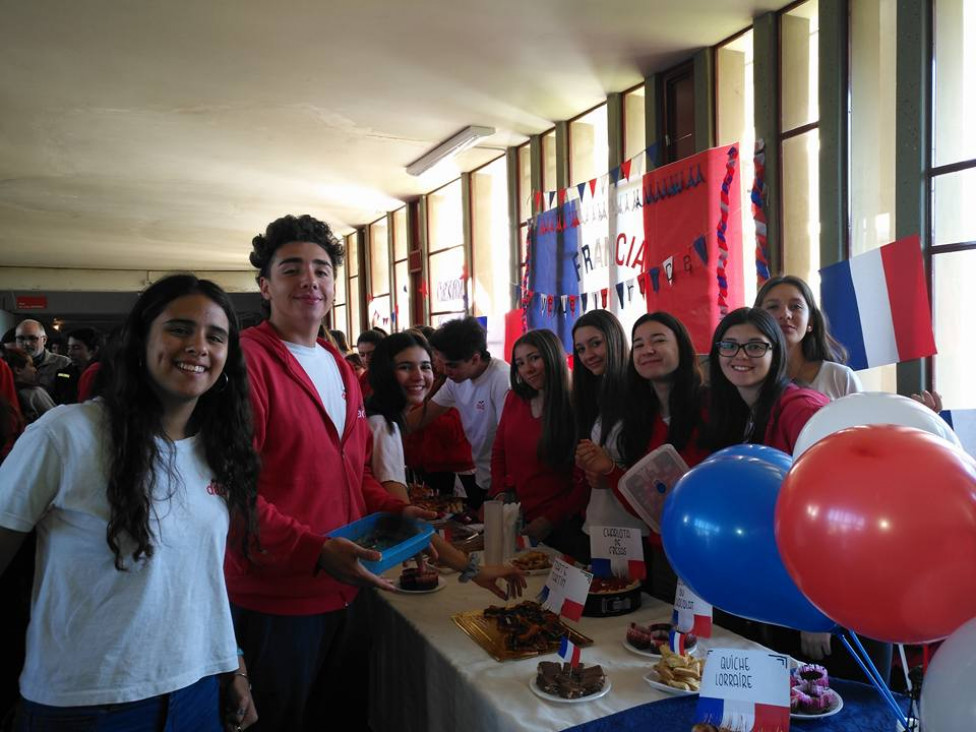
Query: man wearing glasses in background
point(32, 338)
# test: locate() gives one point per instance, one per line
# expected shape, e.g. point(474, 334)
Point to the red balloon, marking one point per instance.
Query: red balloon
point(877, 527)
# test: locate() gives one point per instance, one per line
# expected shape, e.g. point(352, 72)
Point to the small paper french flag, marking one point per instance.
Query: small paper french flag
point(676, 642)
point(522, 541)
point(878, 305)
point(569, 651)
point(747, 715)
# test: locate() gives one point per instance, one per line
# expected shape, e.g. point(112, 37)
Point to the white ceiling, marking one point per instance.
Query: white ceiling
point(164, 134)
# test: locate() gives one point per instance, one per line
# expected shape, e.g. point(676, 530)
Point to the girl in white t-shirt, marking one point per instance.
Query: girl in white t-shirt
point(132, 496)
point(401, 375)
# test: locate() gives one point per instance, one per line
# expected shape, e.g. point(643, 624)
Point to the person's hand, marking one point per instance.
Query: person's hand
point(416, 512)
point(539, 528)
point(815, 646)
point(239, 711)
point(340, 558)
point(593, 458)
point(931, 399)
point(596, 480)
point(514, 578)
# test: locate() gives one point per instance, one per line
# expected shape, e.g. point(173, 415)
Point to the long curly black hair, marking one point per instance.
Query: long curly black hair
point(221, 418)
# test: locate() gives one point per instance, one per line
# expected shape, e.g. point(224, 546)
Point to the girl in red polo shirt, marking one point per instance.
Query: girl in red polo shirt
point(532, 455)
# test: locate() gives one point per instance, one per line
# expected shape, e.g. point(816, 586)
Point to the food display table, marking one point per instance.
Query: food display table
point(426, 674)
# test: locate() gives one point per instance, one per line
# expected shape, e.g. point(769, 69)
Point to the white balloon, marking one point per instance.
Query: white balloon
point(871, 407)
point(948, 701)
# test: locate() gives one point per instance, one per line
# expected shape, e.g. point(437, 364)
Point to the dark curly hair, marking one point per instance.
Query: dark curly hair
point(461, 339)
point(388, 398)
point(221, 418)
point(728, 414)
point(555, 447)
point(291, 228)
point(684, 402)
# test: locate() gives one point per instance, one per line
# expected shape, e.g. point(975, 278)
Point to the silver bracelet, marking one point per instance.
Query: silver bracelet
point(469, 572)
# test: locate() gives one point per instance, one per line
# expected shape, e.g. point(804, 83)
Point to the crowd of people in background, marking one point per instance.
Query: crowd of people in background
point(216, 461)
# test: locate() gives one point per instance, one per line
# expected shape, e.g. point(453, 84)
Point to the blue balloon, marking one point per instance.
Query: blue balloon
point(717, 528)
point(761, 452)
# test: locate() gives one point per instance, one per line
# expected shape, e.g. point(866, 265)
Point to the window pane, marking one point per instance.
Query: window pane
point(378, 313)
point(444, 221)
point(339, 319)
point(352, 254)
point(799, 29)
point(447, 286)
point(589, 146)
point(634, 137)
point(955, 81)
point(403, 310)
point(801, 207)
point(873, 154)
point(400, 240)
point(953, 197)
point(952, 285)
point(379, 258)
point(549, 161)
point(735, 115)
point(525, 182)
point(490, 240)
point(354, 327)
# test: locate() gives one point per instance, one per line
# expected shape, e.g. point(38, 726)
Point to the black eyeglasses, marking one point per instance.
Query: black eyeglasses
point(753, 349)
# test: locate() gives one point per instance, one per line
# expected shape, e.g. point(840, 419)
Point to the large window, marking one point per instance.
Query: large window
point(634, 118)
point(800, 142)
point(953, 192)
point(354, 296)
point(401, 271)
point(735, 123)
point(589, 147)
point(549, 161)
point(380, 306)
point(872, 148)
point(340, 311)
point(678, 103)
point(490, 241)
point(447, 270)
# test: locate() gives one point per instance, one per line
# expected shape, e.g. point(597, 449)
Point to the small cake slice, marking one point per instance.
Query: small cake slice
point(567, 682)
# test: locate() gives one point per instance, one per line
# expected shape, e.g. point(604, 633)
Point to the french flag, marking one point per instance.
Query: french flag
point(635, 569)
point(567, 608)
point(742, 715)
point(525, 542)
point(689, 622)
point(878, 305)
point(676, 642)
point(963, 423)
point(569, 651)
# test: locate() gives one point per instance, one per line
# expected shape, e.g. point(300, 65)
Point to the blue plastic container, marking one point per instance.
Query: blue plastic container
point(396, 553)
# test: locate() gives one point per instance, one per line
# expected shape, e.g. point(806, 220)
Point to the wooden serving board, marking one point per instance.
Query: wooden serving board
point(486, 634)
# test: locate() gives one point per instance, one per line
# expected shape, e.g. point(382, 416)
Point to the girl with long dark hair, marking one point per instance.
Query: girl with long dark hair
point(401, 374)
point(532, 456)
point(814, 357)
point(132, 496)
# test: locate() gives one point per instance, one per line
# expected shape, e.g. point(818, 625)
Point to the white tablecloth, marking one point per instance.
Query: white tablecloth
point(427, 674)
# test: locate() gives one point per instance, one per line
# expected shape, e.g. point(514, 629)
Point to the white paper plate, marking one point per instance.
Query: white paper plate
point(441, 584)
point(559, 700)
point(654, 680)
point(830, 713)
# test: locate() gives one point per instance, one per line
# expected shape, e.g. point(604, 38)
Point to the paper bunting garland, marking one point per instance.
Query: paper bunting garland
point(758, 196)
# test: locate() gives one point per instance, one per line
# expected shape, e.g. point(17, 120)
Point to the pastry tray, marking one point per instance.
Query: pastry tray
point(486, 634)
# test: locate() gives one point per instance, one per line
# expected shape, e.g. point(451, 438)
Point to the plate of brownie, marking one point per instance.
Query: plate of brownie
point(415, 581)
point(646, 640)
point(565, 684)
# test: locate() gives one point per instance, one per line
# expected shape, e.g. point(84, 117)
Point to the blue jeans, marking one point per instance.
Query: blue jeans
point(193, 709)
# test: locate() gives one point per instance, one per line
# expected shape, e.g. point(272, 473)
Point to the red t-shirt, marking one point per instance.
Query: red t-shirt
point(440, 447)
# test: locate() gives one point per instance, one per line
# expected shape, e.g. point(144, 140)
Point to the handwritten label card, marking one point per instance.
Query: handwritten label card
point(691, 613)
point(617, 552)
point(745, 690)
point(566, 590)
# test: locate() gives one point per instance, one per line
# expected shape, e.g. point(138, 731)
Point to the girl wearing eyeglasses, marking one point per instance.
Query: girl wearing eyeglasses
point(814, 357)
point(752, 398)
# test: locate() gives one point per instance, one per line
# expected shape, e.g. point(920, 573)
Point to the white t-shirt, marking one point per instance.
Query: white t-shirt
point(479, 402)
point(321, 367)
point(836, 380)
point(98, 635)
point(604, 508)
point(388, 461)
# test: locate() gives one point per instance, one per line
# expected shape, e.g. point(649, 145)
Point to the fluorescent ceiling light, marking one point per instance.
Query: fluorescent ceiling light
point(464, 139)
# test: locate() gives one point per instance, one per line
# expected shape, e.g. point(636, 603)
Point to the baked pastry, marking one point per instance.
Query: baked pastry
point(810, 691)
point(568, 682)
point(415, 579)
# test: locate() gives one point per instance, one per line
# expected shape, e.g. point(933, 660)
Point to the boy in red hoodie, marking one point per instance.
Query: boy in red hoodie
point(293, 600)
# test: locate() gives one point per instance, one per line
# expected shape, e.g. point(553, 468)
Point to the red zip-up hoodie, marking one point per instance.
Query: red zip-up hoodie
point(312, 481)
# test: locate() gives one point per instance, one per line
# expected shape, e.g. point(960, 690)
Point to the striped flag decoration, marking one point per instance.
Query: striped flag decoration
point(569, 651)
point(878, 305)
point(676, 642)
point(743, 715)
point(523, 541)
